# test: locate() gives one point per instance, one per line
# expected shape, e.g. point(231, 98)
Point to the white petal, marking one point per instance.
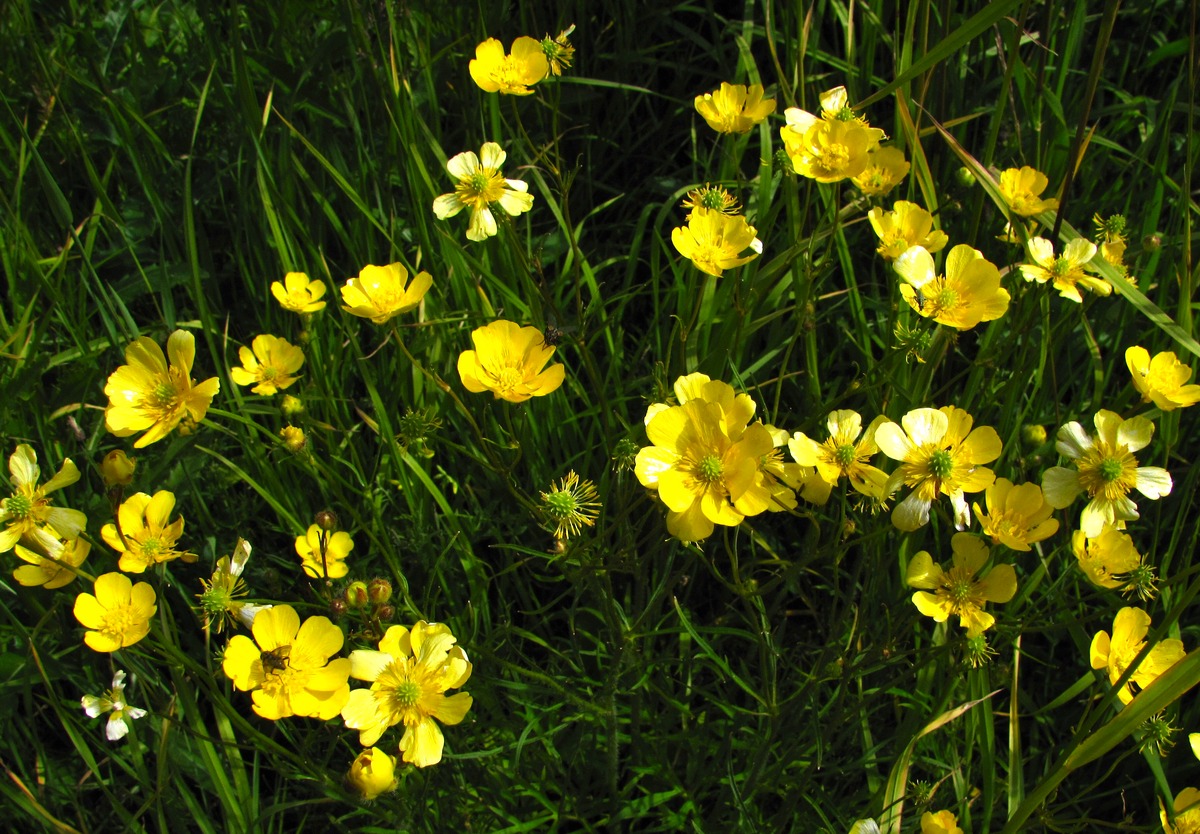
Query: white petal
point(1153, 481)
point(1073, 441)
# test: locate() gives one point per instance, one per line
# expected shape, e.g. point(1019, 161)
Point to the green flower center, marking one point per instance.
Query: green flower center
point(946, 298)
point(480, 189)
point(561, 504)
point(1110, 469)
point(959, 589)
point(844, 455)
point(407, 693)
point(845, 114)
point(268, 373)
point(151, 548)
point(714, 200)
point(709, 469)
point(941, 464)
point(19, 506)
point(1061, 267)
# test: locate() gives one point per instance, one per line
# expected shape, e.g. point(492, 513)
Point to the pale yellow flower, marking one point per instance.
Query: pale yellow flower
point(409, 677)
point(734, 108)
point(113, 702)
point(1065, 272)
point(52, 571)
point(480, 185)
point(297, 294)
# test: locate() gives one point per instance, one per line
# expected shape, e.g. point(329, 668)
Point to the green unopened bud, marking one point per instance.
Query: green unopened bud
point(1152, 243)
point(965, 176)
point(357, 594)
point(1033, 436)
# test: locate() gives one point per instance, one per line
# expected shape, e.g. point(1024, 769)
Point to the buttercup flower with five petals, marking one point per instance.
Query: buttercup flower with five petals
point(514, 73)
point(117, 614)
point(846, 453)
point(27, 513)
point(1115, 654)
point(145, 536)
point(1021, 189)
point(270, 364)
point(703, 475)
point(734, 108)
point(337, 547)
point(826, 151)
point(147, 394)
point(1105, 469)
point(886, 168)
point(941, 822)
point(297, 294)
point(1161, 380)
point(1065, 272)
point(508, 360)
point(967, 294)
point(905, 226)
point(481, 184)
point(940, 455)
point(958, 591)
point(113, 702)
point(713, 241)
point(409, 677)
point(380, 293)
point(1187, 813)
point(287, 667)
point(1018, 515)
point(835, 107)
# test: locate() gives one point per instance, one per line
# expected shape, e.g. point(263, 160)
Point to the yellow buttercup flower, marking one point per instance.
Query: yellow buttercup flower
point(1065, 272)
point(826, 151)
point(847, 453)
point(967, 294)
point(778, 477)
point(287, 666)
point(27, 513)
point(835, 107)
point(508, 360)
point(1115, 654)
point(147, 394)
point(905, 226)
point(480, 184)
point(942, 822)
point(146, 536)
point(514, 73)
point(118, 613)
point(958, 591)
point(1105, 469)
point(380, 293)
point(1018, 516)
point(52, 571)
point(714, 241)
point(703, 475)
point(270, 364)
point(1187, 813)
point(558, 51)
point(335, 547)
point(409, 677)
point(886, 168)
point(297, 294)
point(1161, 380)
point(1021, 189)
point(372, 773)
point(734, 108)
point(940, 455)
point(294, 439)
point(113, 702)
point(1108, 559)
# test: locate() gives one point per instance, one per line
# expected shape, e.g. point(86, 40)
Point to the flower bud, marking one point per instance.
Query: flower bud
point(293, 439)
point(357, 595)
point(1152, 243)
point(1033, 436)
point(379, 590)
point(385, 613)
point(117, 469)
point(965, 176)
point(291, 406)
point(372, 774)
point(327, 520)
point(337, 607)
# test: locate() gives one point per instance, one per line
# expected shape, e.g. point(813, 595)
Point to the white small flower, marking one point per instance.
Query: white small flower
point(114, 701)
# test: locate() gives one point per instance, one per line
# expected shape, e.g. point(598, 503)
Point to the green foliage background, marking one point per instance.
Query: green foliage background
point(165, 162)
